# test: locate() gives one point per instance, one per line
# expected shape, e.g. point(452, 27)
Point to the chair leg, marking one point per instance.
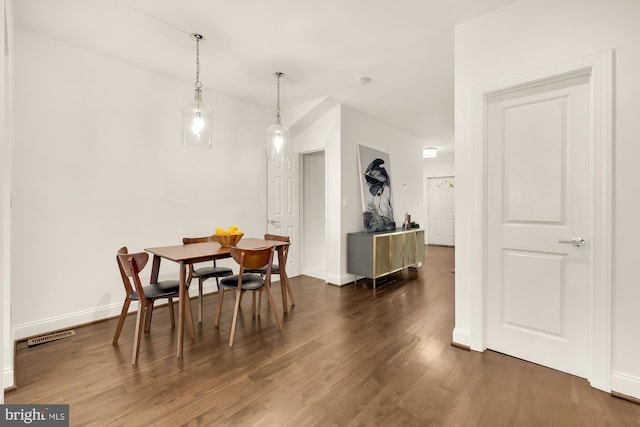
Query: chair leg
point(219, 306)
point(123, 315)
point(267, 289)
point(260, 295)
point(147, 319)
point(235, 317)
point(173, 317)
point(200, 280)
point(234, 300)
point(138, 333)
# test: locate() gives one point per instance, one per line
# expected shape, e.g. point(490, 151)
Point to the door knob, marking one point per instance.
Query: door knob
point(578, 242)
point(274, 223)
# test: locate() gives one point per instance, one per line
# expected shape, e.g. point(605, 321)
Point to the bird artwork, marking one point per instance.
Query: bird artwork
point(378, 211)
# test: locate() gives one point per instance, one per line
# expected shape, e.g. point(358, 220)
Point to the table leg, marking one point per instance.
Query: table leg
point(181, 305)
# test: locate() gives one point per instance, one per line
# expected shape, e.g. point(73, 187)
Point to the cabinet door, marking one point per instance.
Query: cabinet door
point(409, 248)
point(397, 252)
point(419, 246)
point(382, 255)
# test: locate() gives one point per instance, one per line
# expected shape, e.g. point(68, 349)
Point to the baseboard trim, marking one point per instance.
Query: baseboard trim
point(625, 386)
point(461, 346)
point(341, 280)
point(84, 317)
point(461, 337)
point(316, 274)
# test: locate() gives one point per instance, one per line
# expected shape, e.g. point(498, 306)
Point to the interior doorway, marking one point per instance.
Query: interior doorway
point(313, 247)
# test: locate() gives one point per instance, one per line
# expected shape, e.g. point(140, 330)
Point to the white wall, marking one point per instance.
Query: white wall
point(405, 157)
point(533, 34)
point(443, 165)
point(98, 165)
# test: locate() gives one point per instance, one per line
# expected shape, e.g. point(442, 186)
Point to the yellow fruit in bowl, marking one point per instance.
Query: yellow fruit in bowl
point(229, 237)
point(231, 230)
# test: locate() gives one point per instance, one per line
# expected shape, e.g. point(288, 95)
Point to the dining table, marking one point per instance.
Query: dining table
point(209, 251)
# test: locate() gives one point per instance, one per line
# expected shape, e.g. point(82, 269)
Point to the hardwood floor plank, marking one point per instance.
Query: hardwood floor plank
point(347, 356)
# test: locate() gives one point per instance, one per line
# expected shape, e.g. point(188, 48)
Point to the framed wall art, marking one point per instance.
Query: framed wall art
point(375, 181)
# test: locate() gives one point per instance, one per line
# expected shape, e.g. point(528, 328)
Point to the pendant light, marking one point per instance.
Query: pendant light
point(277, 133)
point(197, 117)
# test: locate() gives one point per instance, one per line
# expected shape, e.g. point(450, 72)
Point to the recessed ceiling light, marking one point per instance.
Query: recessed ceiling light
point(429, 153)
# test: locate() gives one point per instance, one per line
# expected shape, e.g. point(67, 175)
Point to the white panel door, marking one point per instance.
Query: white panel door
point(538, 175)
point(441, 198)
point(284, 208)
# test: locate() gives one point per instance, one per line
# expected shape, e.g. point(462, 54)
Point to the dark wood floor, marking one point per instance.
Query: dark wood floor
point(346, 357)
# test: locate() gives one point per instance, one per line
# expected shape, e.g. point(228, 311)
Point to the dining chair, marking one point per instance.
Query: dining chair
point(130, 266)
point(204, 273)
point(244, 281)
point(275, 268)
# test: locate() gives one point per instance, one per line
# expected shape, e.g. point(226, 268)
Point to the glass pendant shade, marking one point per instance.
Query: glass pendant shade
point(197, 117)
point(277, 141)
point(278, 134)
point(197, 123)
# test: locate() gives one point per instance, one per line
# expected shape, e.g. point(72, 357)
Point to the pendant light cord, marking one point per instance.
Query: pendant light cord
point(198, 37)
point(278, 75)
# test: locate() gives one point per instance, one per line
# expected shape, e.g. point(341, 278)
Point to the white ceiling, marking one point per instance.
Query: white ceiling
point(323, 47)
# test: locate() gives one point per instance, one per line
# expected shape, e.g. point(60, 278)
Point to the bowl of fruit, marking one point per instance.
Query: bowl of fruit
point(229, 237)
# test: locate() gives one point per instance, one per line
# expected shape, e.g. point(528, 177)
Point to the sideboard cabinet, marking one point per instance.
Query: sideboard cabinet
point(374, 255)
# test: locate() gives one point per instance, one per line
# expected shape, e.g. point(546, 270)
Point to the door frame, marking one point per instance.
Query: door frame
point(599, 67)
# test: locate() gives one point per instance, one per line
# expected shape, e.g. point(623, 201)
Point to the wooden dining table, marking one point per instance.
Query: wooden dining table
point(209, 251)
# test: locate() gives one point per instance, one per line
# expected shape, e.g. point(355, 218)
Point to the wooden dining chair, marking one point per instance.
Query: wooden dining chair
point(275, 268)
point(244, 281)
point(204, 273)
point(130, 266)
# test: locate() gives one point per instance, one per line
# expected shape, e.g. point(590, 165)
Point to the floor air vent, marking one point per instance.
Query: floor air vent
point(50, 337)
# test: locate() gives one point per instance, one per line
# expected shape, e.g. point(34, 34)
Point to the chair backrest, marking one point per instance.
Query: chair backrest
point(189, 240)
point(280, 239)
point(130, 266)
point(253, 258)
point(123, 273)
